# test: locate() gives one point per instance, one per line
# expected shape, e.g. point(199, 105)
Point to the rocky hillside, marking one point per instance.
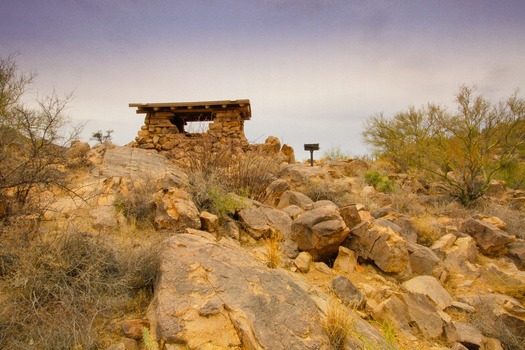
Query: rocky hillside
point(318, 260)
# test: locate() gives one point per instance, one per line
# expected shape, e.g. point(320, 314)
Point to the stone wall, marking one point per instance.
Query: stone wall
point(225, 134)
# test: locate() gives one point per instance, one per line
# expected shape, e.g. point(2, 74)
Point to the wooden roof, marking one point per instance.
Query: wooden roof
point(196, 111)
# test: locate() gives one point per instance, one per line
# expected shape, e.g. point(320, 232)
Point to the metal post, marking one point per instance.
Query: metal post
point(311, 147)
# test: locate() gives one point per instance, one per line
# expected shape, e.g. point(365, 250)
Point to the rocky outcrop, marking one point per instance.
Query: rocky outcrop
point(319, 232)
point(214, 295)
point(137, 163)
point(380, 243)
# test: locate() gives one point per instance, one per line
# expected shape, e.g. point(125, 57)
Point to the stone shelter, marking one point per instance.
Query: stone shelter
point(165, 127)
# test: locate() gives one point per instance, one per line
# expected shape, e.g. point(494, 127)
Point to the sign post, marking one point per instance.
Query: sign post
point(311, 147)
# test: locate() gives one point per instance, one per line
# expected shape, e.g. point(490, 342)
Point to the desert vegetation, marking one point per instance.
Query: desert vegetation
point(463, 150)
point(105, 246)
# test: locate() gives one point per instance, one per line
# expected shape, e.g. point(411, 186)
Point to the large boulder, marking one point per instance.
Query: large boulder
point(489, 238)
point(379, 242)
point(319, 231)
point(138, 163)
point(215, 295)
point(461, 256)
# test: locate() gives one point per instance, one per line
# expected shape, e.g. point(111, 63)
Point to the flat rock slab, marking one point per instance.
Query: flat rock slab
point(215, 295)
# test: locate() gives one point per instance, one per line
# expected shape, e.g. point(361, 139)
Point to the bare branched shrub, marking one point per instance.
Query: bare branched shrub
point(59, 291)
point(33, 141)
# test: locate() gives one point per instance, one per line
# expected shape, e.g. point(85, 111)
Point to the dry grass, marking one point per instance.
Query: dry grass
point(137, 203)
point(60, 290)
point(246, 175)
point(429, 230)
point(274, 253)
point(338, 324)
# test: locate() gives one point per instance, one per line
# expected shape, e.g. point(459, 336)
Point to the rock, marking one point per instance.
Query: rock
point(463, 307)
point(490, 239)
point(319, 231)
point(423, 261)
point(303, 262)
point(138, 163)
point(325, 203)
point(104, 217)
point(350, 215)
point(429, 286)
point(374, 241)
point(175, 207)
point(464, 333)
point(423, 314)
point(490, 344)
point(493, 220)
point(293, 211)
point(275, 190)
point(346, 260)
point(443, 244)
point(272, 145)
point(133, 328)
point(295, 198)
point(209, 221)
point(288, 154)
point(197, 272)
point(517, 252)
point(395, 311)
point(348, 293)
point(254, 222)
point(458, 346)
point(463, 252)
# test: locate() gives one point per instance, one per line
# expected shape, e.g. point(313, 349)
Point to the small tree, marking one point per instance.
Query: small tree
point(463, 151)
point(32, 140)
point(101, 137)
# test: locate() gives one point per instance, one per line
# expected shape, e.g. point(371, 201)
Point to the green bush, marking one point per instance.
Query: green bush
point(380, 182)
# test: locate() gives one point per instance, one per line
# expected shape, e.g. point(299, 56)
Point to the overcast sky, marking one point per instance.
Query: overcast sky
point(314, 70)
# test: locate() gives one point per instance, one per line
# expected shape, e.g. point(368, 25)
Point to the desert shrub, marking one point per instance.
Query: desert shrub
point(335, 153)
point(463, 150)
point(62, 290)
point(32, 141)
point(213, 181)
point(380, 182)
point(137, 203)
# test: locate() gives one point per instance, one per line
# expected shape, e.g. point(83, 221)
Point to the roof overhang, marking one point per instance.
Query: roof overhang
point(196, 111)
